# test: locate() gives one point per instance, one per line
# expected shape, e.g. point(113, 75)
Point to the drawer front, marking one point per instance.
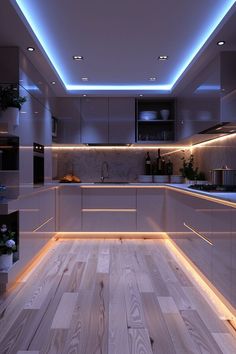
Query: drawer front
point(108, 198)
point(116, 221)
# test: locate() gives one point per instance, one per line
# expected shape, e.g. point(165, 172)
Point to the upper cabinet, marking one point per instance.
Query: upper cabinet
point(107, 120)
point(155, 120)
point(121, 120)
point(196, 113)
point(94, 120)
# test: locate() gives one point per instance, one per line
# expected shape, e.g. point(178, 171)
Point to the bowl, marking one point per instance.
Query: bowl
point(147, 115)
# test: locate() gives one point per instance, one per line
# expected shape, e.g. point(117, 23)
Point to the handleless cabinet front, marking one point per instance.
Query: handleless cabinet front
point(121, 120)
point(69, 209)
point(221, 240)
point(94, 120)
point(108, 209)
point(233, 257)
point(151, 209)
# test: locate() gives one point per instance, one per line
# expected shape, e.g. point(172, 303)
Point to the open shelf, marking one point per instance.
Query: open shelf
point(155, 120)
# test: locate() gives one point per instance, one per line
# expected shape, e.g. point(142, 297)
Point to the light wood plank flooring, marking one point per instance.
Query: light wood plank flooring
point(110, 296)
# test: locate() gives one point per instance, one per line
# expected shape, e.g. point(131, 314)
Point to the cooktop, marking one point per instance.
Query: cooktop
point(213, 188)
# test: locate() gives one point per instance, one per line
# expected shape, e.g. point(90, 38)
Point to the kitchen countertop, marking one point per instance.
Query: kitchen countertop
point(9, 205)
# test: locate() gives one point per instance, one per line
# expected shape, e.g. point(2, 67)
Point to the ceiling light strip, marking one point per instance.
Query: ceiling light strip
point(27, 12)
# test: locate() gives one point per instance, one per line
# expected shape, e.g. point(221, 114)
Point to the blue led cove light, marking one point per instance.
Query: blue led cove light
point(31, 17)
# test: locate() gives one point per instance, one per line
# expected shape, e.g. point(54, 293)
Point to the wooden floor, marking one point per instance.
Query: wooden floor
point(110, 296)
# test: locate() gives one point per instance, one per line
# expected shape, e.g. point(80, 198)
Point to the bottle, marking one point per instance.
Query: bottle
point(147, 164)
point(163, 166)
point(169, 168)
point(158, 167)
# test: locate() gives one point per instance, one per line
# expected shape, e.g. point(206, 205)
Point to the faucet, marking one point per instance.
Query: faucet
point(104, 171)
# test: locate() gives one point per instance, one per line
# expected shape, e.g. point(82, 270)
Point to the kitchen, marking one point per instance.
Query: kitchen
point(117, 231)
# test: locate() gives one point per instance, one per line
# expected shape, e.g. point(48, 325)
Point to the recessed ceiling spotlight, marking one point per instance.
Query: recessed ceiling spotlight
point(31, 49)
point(163, 57)
point(78, 57)
point(84, 78)
point(221, 43)
point(152, 79)
point(53, 82)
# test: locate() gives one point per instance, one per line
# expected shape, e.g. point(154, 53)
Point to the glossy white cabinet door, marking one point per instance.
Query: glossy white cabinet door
point(177, 212)
point(191, 219)
point(113, 221)
point(121, 120)
point(119, 198)
point(94, 120)
point(108, 209)
point(222, 253)
point(69, 208)
point(151, 210)
point(233, 258)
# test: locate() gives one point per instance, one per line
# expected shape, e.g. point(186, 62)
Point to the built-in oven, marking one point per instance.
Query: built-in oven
point(38, 161)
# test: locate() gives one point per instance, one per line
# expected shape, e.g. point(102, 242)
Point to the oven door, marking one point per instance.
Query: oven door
point(38, 169)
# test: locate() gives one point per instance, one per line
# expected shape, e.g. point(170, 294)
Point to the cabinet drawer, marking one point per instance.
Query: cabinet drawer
point(95, 198)
point(96, 221)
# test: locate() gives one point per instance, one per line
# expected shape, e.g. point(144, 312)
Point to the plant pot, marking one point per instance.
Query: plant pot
point(6, 261)
point(10, 116)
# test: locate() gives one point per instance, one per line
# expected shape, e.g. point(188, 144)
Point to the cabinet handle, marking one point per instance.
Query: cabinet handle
point(198, 234)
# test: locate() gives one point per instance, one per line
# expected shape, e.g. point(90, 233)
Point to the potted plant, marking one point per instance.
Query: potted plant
point(189, 172)
point(10, 104)
point(7, 247)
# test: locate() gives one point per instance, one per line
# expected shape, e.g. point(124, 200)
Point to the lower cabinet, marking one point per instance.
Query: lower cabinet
point(221, 226)
point(151, 209)
point(208, 238)
point(233, 259)
point(69, 208)
point(108, 209)
point(36, 224)
point(191, 228)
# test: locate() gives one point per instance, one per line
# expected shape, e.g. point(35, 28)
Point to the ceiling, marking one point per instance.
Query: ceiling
point(120, 41)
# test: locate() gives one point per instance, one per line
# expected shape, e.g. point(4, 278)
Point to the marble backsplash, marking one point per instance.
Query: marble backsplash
point(127, 164)
point(123, 165)
point(216, 154)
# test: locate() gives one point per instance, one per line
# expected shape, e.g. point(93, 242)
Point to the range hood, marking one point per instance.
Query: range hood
point(222, 128)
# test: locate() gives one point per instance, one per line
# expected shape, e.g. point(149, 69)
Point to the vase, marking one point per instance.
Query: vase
point(165, 114)
point(10, 116)
point(6, 261)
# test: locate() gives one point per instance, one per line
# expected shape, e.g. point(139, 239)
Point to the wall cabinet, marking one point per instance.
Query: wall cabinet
point(155, 120)
point(107, 120)
point(94, 120)
point(195, 114)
